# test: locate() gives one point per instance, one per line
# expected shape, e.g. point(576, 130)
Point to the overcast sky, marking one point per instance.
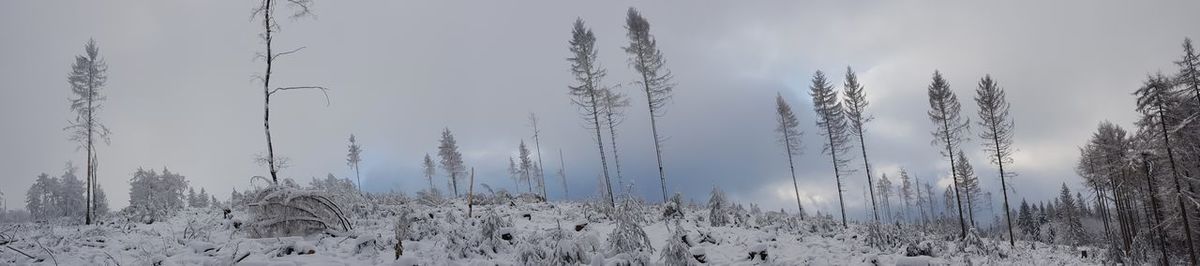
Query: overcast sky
point(180, 93)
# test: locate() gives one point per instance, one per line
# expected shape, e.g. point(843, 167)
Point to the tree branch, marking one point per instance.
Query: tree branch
point(277, 55)
point(324, 91)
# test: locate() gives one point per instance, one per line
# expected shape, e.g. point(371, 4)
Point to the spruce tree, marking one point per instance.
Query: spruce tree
point(996, 134)
point(831, 122)
point(88, 76)
point(944, 113)
point(855, 101)
point(588, 92)
point(789, 134)
point(649, 63)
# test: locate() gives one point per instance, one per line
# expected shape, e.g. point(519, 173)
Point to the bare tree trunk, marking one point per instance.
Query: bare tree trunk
point(471, 193)
point(1158, 217)
point(792, 166)
point(954, 175)
point(541, 167)
point(837, 174)
point(662, 175)
point(562, 167)
point(1187, 226)
point(612, 134)
point(267, 93)
point(600, 144)
point(867, 166)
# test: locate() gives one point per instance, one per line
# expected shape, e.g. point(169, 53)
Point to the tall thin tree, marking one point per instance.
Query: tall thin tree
point(88, 76)
point(537, 142)
point(1153, 100)
point(645, 57)
point(614, 104)
point(996, 133)
point(562, 174)
point(789, 134)
point(266, 11)
point(452, 161)
point(831, 120)
point(429, 169)
point(353, 157)
point(587, 94)
point(944, 113)
point(856, 103)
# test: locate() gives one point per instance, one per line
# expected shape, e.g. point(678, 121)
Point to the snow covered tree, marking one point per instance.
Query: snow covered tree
point(969, 186)
point(537, 143)
point(191, 198)
point(944, 113)
point(429, 169)
point(717, 213)
point(514, 173)
point(855, 102)
point(648, 61)
point(39, 199)
point(1154, 101)
point(832, 123)
point(202, 199)
point(905, 194)
point(676, 252)
point(353, 157)
point(266, 9)
point(588, 93)
point(789, 135)
point(88, 75)
point(628, 240)
point(996, 135)
point(885, 191)
point(99, 201)
point(1068, 217)
point(614, 104)
point(452, 162)
point(153, 196)
point(525, 166)
point(71, 194)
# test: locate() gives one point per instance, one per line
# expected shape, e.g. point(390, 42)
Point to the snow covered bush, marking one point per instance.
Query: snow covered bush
point(490, 229)
point(628, 243)
point(283, 210)
point(403, 224)
point(676, 251)
point(564, 250)
point(673, 208)
point(717, 214)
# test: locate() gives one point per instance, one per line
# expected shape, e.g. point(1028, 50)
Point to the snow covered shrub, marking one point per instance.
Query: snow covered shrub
point(564, 250)
point(717, 215)
point(973, 244)
point(403, 223)
point(288, 211)
point(529, 251)
point(676, 251)
point(673, 208)
point(491, 227)
point(628, 242)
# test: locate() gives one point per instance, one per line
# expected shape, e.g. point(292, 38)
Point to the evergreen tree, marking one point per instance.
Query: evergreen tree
point(996, 135)
point(789, 135)
point(832, 123)
point(353, 157)
point(856, 103)
point(969, 186)
point(587, 94)
point(717, 208)
point(885, 192)
point(525, 166)
point(88, 75)
point(1154, 101)
point(452, 161)
point(648, 61)
point(944, 113)
point(537, 143)
point(613, 105)
point(429, 170)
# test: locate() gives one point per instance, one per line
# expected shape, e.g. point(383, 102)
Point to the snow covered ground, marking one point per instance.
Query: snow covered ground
point(525, 233)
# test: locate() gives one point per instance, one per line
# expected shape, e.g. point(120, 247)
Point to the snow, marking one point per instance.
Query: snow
point(200, 236)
